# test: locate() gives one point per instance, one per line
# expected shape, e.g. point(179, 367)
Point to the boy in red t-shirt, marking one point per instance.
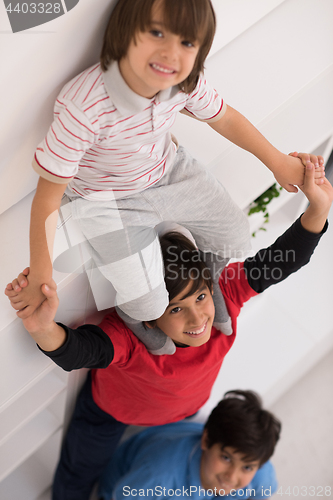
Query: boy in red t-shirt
point(111, 149)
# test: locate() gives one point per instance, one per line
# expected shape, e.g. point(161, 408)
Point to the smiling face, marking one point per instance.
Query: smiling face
point(188, 320)
point(157, 58)
point(225, 469)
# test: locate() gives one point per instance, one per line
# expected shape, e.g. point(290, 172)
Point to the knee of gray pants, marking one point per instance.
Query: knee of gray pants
point(148, 307)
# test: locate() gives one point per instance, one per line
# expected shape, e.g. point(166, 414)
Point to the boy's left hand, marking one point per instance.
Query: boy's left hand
point(291, 172)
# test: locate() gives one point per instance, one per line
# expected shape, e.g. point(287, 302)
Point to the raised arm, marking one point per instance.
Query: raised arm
point(40, 324)
point(287, 169)
point(44, 215)
point(294, 248)
point(85, 347)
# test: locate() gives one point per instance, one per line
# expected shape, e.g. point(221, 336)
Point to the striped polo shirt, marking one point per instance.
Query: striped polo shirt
point(108, 142)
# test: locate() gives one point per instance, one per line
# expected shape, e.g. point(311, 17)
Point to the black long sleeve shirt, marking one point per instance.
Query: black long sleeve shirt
point(88, 346)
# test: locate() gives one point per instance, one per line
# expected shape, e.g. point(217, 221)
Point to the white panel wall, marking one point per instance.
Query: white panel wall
point(35, 64)
point(236, 16)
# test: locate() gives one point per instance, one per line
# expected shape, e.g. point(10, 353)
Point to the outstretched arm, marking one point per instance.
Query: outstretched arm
point(44, 215)
point(40, 324)
point(320, 200)
point(287, 170)
point(87, 346)
point(294, 248)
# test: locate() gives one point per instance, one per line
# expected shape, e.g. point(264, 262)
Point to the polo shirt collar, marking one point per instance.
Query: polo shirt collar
point(123, 97)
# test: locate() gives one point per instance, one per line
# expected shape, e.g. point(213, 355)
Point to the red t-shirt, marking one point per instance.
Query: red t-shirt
point(140, 388)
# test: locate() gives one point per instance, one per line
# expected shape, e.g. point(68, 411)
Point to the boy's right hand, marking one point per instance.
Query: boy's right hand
point(40, 317)
point(40, 324)
point(28, 294)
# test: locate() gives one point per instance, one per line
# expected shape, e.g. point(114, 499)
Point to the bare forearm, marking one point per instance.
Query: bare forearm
point(51, 338)
point(313, 220)
point(41, 242)
point(237, 129)
point(44, 215)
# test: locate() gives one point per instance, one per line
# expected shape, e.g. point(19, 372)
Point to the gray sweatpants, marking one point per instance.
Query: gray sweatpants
point(126, 248)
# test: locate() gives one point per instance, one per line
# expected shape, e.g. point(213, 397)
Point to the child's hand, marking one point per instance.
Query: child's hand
point(25, 294)
point(42, 317)
point(40, 324)
point(317, 162)
point(320, 197)
point(291, 171)
point(28, 300)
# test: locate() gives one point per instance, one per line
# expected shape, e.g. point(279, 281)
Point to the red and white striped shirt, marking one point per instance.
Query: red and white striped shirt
point(108, 142)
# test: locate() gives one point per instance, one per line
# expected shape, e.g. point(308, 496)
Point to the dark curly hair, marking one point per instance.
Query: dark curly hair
point(239, 421)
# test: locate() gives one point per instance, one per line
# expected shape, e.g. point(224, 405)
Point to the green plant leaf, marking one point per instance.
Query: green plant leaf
point(260, 204)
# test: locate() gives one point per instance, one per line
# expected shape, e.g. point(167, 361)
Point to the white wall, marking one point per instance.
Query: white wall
point(35, 64)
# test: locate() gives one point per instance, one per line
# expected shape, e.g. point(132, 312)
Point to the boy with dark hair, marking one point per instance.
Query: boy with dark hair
point(230, 452)
point(129, 385)
point(110, 145)
point(239, 421)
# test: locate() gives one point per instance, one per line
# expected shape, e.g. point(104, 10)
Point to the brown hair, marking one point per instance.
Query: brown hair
point(239, 421)
point(192, 19)
point(182, 265)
